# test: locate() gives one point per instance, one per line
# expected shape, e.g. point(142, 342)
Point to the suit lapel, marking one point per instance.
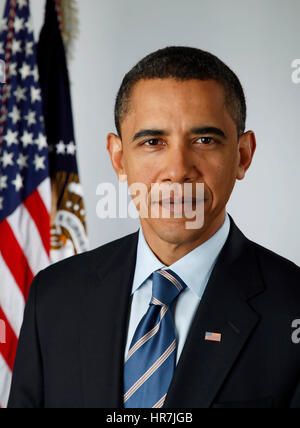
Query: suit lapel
point(104, 325)
point(224, 308)
point(203, 366)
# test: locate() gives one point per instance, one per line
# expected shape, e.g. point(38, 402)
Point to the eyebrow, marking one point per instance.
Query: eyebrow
point(148, 133)
point(208, 130)
point(201, 130)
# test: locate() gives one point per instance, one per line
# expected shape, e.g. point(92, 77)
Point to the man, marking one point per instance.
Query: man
point(169, 316)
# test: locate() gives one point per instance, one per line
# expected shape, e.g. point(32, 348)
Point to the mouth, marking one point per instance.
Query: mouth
point(180, 206)
point(181, 201)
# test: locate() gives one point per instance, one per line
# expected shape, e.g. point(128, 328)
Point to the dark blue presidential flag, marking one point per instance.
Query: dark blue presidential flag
point(68, 221)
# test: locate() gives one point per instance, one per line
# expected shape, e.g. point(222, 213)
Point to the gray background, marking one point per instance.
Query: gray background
point(257, 39)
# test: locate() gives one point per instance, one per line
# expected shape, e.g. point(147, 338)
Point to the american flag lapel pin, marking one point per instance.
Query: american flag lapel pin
point(213, 337)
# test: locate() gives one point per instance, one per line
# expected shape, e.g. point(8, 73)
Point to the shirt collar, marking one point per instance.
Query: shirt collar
point(194, 268)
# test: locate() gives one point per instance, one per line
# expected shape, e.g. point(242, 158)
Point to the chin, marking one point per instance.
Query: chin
point(174, 231)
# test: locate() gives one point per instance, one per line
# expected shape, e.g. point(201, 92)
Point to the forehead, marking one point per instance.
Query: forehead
point(161, 102)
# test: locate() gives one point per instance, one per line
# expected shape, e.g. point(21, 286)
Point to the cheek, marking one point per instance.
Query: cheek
point(139, 172)
point(220, 174)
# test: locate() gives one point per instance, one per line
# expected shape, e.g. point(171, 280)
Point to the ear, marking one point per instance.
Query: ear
point(115, 150)
point(247, 147)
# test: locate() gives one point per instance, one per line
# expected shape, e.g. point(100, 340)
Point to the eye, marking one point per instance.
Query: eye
point(151, 143)
point(206, 140)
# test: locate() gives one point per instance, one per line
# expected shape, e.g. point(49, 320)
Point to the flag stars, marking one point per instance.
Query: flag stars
point(15, 115)
point(35, 94)
point(65, 149)
point(29, 48)
point(11, 138)
point(18, 24)
point(31, 120)
point(27, 138)
point(24, 156)
point(39, 162)
point(71, 148)
point(3, 182)
point(28, 26)
point(22, 3)
point(35, 74)
point(60, 148)
point(18, 182)
point(20, 94)
point(13, 69)
point(22, 161)
point(41, 142)
point(7, 159)
point(16, 46)
point(25, 71)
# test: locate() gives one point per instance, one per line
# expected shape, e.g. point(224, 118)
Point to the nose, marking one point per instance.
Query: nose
point(179, 166)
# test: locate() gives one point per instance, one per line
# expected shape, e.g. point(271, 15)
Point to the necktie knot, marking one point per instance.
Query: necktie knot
point(166, 287)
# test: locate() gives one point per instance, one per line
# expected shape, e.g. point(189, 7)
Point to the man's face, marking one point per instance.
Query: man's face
point(190, 138)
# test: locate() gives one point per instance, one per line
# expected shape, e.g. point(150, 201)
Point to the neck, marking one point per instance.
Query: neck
point(169, 252)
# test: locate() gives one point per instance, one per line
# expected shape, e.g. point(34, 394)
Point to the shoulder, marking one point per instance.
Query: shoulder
point(77, 271)
point(278, 272)
point(88, 259)
point(271, 265)
point(274, 262)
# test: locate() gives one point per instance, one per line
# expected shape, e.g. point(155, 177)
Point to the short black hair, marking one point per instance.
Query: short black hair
point(184, 63)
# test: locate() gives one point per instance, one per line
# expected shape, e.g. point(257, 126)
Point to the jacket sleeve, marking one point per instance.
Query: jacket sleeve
point(27, 381)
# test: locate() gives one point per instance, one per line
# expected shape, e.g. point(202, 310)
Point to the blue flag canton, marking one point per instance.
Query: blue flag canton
point(24, 161)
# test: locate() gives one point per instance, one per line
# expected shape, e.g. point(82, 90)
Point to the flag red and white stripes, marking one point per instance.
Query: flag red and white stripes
point(25, 190)
point(23, 254)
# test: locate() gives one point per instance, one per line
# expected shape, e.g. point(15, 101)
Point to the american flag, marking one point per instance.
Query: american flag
point(25, 191)
point(213, 337)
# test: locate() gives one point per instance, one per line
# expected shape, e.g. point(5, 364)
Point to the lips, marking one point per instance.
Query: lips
point(180, 201)
point(164, 195)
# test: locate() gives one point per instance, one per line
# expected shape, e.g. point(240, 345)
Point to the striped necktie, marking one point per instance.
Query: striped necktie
point(151, 360)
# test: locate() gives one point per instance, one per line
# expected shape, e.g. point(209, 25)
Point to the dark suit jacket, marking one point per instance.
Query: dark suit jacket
point(71, 348)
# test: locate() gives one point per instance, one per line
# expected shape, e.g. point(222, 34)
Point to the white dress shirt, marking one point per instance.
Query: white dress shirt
point(194, 268)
